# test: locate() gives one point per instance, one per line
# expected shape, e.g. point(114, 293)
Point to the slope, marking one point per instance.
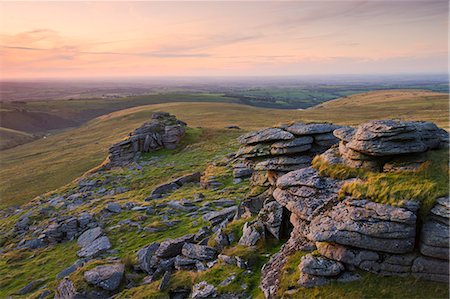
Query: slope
point(40, 166)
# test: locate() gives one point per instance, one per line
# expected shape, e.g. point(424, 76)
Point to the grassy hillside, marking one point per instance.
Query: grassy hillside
point(31, 169)
point(10, 138)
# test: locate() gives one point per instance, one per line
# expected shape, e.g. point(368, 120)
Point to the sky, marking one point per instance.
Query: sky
point(214, 38)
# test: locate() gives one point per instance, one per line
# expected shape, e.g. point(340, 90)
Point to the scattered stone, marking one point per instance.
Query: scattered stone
point(69, 270)
point(66, 290)
point(199, 252)
point(107, 277)
point(89, 236)
point(219, 216)
point(252, 233)
point(172, 247)
point(164, 189)
point(30, 287)
point(98, 246)
point(114, 207)
point(145, 256)
point(203, 290)
point(165, 281)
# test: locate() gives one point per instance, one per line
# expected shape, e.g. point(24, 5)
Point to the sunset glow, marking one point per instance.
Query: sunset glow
point(95, 39)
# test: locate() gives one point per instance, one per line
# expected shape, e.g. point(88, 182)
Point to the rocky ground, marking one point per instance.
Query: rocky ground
point(164, 217)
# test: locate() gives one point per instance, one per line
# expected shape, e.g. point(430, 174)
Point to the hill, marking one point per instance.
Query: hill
point(10, 138)
point(40, 166)
point(177, 201)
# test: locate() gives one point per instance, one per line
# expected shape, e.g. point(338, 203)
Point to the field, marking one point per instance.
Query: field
point(45, 164)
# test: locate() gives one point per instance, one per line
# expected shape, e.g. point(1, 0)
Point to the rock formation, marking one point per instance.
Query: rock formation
point(357, 233)
point(386, 144)
point(164, 131)
point(269, 153)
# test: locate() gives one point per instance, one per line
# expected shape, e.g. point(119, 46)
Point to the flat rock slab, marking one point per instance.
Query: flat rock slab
point(284, 163)
point(89, 236)
point(265, 135)
point(107, 277)
point(301, 129)
point(389, 137)
point(303, 177)
point(98, 246)
point(218, 216)
point(368, 225)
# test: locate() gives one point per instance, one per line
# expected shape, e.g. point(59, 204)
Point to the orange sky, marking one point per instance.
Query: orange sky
point(97, 39)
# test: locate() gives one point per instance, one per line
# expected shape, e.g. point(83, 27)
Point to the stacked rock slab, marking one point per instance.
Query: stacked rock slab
point(434, 243)
point(269, 153)
point(351, 233)
point(387, 145)
point(163, 131)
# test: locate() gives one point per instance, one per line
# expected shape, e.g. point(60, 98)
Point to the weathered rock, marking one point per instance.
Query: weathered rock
point(387, 137)
point(69, 270)
point(114, 207)
point(145, 256)
point(98, 246)
point(305, 193)
point(300, 129)
point(272, 217)
point(310, 281)
point(344, 133)
point(252, 233)
point(265, 135)
point(164, 131)
point(441, 210)
point(435, 240)
point(30, 287)
point(163, 189)
point(325, 140)
point(172, 247)
point(199, 252)
point(431, 269)
point(203, 290)
point(107, 277)
point(252, 151)
point(165, 281)
point(297, 145)
point(371, 261)
point(66, 290)
point(367, 225)
point(242, 170)
point(89, 236)
point(284, 163)
point(184, 263)
point(218, 216)
point(320, 266)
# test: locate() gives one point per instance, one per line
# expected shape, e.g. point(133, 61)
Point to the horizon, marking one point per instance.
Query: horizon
point(76, 40)
point(405, 76)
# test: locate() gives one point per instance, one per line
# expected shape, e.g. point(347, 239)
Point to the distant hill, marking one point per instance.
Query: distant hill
point(10, 138)
point(46, 164)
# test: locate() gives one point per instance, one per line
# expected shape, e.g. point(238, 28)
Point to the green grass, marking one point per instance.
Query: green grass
point(424, 185)
point(20, 267)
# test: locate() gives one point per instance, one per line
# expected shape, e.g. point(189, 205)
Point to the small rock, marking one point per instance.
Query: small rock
point(203, 290)
point(107, 277)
